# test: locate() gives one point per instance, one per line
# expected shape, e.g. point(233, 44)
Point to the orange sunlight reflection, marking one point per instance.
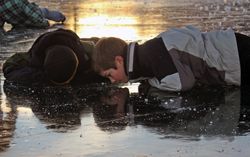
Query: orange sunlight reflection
point(106, 20)
point(104, 26)
point(6, 108)
point(3, 107)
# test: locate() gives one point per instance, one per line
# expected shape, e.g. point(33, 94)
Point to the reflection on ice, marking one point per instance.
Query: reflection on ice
point(200, 115)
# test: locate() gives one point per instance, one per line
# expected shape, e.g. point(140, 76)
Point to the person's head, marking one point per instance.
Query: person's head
point(108, 59)
point(60, 64)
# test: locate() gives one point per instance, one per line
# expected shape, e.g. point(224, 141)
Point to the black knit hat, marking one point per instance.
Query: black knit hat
point(60, 64)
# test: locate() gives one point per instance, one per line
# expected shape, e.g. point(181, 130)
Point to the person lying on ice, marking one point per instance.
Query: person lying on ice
point(177, 59)
point(59, 57)
point(22, 13)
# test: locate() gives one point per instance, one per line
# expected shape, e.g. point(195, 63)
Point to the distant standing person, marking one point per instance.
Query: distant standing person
point(22, 13)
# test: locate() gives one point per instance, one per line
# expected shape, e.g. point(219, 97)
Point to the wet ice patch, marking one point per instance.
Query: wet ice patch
point(174, 104)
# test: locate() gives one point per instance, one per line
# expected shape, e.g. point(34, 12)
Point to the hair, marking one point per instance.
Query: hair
point(60, 64)
point(105, 51)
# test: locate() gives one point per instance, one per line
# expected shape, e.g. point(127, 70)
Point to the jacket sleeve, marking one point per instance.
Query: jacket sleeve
point(34, 14)
point(16, 61)
point(176, 82)
point(26, 75)
point(16, 68)
point(168, 83)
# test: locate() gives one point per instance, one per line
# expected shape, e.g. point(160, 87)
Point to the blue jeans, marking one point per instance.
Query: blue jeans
point(53, 15)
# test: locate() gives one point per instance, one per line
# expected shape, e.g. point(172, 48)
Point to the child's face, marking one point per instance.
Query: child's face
point(116, 75)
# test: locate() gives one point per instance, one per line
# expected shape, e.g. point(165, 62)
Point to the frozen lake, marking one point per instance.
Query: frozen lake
point(101, 120)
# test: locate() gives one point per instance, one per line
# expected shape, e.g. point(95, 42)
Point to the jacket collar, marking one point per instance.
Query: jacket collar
point(130, 57)
point(131, 66)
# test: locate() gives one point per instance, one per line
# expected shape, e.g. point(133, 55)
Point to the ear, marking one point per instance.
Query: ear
point(118, 60)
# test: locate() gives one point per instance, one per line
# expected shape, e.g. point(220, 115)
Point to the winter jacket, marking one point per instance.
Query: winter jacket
point(179, 58)
point(28, 67)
